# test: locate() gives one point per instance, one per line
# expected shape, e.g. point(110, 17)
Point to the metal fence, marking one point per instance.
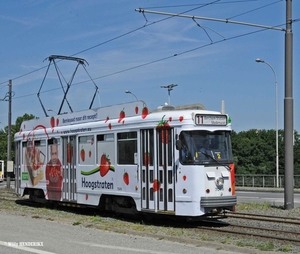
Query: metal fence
point(264, 181)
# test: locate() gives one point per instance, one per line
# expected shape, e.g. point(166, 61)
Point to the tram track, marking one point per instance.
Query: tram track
point(277, 228)
point(253, 231)
point(260, 217)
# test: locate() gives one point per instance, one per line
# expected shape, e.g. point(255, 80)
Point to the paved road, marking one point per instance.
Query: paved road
point(271, 196)
point(56, 238)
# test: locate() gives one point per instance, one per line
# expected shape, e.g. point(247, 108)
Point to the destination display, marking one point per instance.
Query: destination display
point(211, 119)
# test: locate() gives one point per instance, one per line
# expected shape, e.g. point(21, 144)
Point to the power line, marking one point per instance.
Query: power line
point(203, 4)
point(139, 28)
point(159, 60)
point(115, 38)
point(256, 9)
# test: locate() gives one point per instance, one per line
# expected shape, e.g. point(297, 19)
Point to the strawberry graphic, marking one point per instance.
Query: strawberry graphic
point(109, 126)
point(146, 159)
point(155, 185)
point(52, 122)
point(82, 155)
point(57, 122)
point(126, 178)
point(90, 154)
point(145, 112)
point(136, 109)
point(122, 115)
point(162, 128)
point(180, 118)
point(170, 119)
point(69, 153)
point(107, 118)
point(105, 165)
point(184, 177)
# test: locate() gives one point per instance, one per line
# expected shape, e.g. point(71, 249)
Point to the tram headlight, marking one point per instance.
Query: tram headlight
point(219, 182)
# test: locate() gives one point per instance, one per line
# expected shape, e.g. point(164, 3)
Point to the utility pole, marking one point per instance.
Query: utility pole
point(288, 113)
point(9, 133)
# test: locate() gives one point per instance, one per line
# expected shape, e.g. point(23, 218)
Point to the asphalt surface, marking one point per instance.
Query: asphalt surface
point(20, 233)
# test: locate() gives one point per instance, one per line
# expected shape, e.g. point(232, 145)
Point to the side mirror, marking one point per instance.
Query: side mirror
point(178, 144)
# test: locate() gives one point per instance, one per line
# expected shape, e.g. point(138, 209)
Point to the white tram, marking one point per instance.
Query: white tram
point(127, 159)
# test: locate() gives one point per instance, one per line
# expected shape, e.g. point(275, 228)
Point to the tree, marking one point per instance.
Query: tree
point(3, 136)
point(254, 152)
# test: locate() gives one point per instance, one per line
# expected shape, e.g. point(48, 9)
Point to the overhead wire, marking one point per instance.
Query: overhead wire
point(110, 40)
point(158, 60)
point(161, 59)
point(256, 9)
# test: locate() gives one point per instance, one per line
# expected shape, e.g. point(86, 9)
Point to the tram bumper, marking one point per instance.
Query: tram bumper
point(222, 202)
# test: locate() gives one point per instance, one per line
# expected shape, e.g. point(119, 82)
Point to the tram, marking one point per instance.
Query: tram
point(124, 158)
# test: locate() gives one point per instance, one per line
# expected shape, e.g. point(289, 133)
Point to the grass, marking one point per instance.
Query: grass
point(138, 228)
point(253, 206)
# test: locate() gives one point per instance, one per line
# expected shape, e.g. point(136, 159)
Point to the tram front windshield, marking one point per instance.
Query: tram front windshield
point(204, 147)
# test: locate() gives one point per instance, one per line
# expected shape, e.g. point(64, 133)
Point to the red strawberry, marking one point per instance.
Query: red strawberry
point(109, 126)
point(184, 177)
point(126, 178)
point(162, 128)
point(107, 118)
point(82, 155)
point(181, 118)
point(69, 153)
point(156, 185)
point(122, 116)
point(57, 122)
point(145, 112)
point(136, 109)
point(105, 165)
point(52, 122)
point(170, 119)
point(146, 159)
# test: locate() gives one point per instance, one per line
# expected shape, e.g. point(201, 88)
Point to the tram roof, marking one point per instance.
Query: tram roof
point(119, 111)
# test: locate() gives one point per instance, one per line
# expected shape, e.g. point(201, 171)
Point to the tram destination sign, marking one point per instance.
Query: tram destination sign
point(211, 119)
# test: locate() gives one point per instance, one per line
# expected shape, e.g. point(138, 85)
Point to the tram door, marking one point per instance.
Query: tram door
point(18, 154)
point(69, 168)
point(157, 170)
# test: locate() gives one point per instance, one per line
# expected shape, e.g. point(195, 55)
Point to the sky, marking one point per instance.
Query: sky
point(123, 49)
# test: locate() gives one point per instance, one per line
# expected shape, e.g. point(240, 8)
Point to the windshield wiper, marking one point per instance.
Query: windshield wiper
point(222, 164)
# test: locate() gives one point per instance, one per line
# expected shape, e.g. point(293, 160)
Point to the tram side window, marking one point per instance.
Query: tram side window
point(127, 147)
point(34, 154)
point(106, 148)
point(86, 150)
